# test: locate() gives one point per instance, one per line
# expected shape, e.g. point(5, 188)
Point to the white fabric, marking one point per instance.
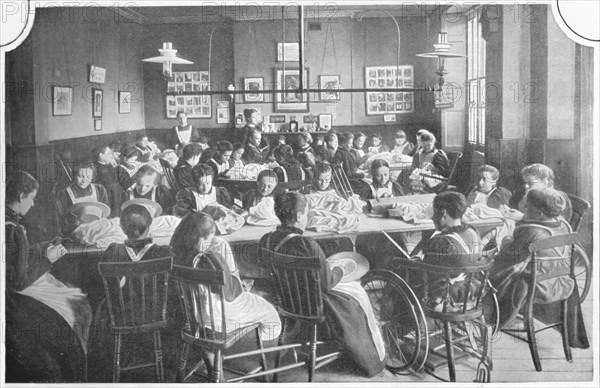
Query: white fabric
point(263, 213)
point(60, 298)
point(328, 212)
point(387, 156)
point(134, 257)
point(246, 309)
point(104, 232)
point(247, 172)
point(355, 290)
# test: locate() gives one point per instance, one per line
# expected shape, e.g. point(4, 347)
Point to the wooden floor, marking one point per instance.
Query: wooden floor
point(512, 363)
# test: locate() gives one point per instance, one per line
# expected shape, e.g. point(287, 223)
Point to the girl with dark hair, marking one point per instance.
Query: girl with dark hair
point(510, 273)
point(81, 190)
point(37, 304)
point(290, 169)
point(348, 311)
point(259, 202)
point(202, 194)
point(220, 161)
point(196, 245)
point(145, 186)
point(128, 167)
point(376, 146)
point(346, 158)
point(402, 146)
point(381, 186)
point(183, 133)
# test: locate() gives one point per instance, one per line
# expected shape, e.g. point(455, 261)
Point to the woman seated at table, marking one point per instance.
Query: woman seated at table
point(509, 274)
point(220, 162)
point(487, 191)
point(402, 147)
point(348, 311)
point(357, 147)
point(429, 160)
point(289, 169)
point(305, 153)
point(81, 190)
point(381, 186)
point(236, 162)
point(331, 142)
point(202, 194)
point(47, 323)
point(145, 186)
point(346, 158)
point(190, 157)
point(127, 167)
point(376, 146)
point(196, 245)
point(258, 202)
point(539, 176)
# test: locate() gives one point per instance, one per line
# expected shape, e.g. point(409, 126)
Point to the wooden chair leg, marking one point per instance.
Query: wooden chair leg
point(280, 342)
point(158, 358)
point(185, 350)
point(117, 359)
point(565, 332)
point(263, 358)
point(529, 327)
point(313, 354)
point(449, 350)
point(217, 372)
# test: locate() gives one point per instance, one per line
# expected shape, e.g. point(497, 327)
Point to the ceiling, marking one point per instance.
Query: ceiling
point(250, 12)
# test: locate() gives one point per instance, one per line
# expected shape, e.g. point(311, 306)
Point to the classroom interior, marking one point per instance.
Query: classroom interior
point(521, 92)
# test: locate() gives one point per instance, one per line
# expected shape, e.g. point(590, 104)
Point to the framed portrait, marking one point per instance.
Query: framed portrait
point(97, 102)
point(290, 100)
point(124, 102)
point(254, 86)
point(331, 83)
point(325, 121)
point(97, 124)
point(62, 100)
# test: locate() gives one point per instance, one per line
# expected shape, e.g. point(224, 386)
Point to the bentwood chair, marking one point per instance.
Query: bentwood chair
point(453, 158)
point(168, 171)
point(205, 327)
point(298, 287)
point(567, 241)
point(136, 295)
point(454, 306)
point(581, 261)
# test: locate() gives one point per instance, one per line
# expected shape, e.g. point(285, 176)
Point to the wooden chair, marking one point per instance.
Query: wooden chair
point(463, 316)
point(136, 295)
point(581, 261)
point(205, 326)
point(168, 171)
point(298, 287)
point(564, 240)
point(340, 181)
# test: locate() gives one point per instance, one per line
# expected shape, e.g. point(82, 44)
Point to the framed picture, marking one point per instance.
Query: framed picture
point(292, 52)
point(388, 79)
point(194, 105)
point(222, 112)
point(255, 86)
point(124, 102)
point(97, 124)
point(97, 74)
point(331, 83)
point(325, 121)
point(62, 100)
point(290, 100)
point(96, 102)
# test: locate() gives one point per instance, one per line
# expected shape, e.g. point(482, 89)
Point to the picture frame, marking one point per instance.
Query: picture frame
point(222, 112)
point(124, 102)
point(292, 51)
point(97, 102)
point(325, 121)
point(97, 74)
point(62, 101)
point(254, 85)
point(329, 82)
point(194, 105)
point(97, 124)
point(290, 101)
point(389, 100)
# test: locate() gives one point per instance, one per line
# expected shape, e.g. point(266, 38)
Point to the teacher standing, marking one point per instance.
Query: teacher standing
point(183, 133)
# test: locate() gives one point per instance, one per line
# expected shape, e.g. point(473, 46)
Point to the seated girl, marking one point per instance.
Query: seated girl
point(376, 146)
point(357, 147)
point(487, 191)
point(145, 186)
point(402, 147)
point(37, 304)
point(510, 273)
point(236, 162)
point(346, 158)
point(429, 160)
point(289, 170)
point(202, 194)
point(381, 186)
point(81, 190)
point(346, 305)
point(220, 161)
point(196, 245)
point(127, 167)
point(259, 202)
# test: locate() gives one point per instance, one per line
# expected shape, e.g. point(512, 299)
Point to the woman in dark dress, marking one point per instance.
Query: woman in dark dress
point(350, 321)
point(47, 323)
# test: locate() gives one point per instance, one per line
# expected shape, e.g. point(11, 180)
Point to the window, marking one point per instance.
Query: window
point(476, 78)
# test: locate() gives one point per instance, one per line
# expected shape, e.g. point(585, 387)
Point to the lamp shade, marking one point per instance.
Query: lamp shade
point(442, 49)
point(168, 54)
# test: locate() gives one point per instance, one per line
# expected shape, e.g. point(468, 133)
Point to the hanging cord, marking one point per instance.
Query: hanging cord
point(327, 31)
